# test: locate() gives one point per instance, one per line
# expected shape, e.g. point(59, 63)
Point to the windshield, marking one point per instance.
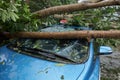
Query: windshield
point(67, 51)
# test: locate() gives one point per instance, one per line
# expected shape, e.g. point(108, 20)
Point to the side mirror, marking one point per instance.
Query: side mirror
point(105, 50)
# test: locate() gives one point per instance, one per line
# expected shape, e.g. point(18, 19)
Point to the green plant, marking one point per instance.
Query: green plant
point(8, 10)
point(15, 16)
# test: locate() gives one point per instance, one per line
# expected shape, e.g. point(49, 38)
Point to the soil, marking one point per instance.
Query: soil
point(110, 66)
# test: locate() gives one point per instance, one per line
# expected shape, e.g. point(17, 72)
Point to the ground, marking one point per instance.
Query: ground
point(110, 66)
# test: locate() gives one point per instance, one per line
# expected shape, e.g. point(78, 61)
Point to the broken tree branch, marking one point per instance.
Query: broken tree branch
point(64, 35)
point(74, 7)
point(62, 16)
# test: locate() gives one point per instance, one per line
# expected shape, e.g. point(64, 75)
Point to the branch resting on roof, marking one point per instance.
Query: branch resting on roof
point(64, 35)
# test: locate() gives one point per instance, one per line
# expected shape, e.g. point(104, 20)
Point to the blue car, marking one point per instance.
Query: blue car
point(52, 59)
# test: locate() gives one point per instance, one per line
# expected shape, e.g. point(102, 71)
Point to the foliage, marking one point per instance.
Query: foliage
point(42, 4)
point(16, 16)
point(98, 19)
point(106, 18)
point(36, 5)
point(8, 10)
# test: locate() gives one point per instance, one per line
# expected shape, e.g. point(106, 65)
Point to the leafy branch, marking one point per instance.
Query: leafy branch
point(74, 7)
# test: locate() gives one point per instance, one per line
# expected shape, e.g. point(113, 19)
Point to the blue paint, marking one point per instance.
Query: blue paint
point(88, 65)
point(95, 74)
point(104, 50)
point(15, 66)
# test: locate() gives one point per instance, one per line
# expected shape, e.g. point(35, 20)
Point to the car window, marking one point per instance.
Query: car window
point(75, 50)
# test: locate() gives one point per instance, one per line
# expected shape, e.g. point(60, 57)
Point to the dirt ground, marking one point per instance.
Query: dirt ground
point(110, 66)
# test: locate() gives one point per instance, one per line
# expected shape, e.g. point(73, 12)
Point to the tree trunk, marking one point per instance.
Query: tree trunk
point(74, 7)
point(64, 35)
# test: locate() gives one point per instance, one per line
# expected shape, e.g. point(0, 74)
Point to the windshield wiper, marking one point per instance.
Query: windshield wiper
point(45, 53)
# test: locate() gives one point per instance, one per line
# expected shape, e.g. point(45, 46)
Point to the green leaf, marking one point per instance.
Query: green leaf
point(16, 16)
point(12, 15)
point(4, 15)
point(14, 8)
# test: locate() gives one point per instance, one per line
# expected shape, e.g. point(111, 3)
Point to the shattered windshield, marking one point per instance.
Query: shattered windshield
point(65, 51)
point(75, 50)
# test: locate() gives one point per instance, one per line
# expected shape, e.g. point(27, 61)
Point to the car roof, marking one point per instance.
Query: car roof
point(63, 28)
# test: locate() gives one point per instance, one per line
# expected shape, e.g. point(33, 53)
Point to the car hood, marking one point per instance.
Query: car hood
point(15, 66)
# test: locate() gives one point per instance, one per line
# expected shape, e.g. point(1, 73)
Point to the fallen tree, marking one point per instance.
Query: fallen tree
point(64, 35)
point(74, 7)
point(68, 35)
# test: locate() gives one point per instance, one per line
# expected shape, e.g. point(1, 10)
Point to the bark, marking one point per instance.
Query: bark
point(66, 16)
point(70, 16)
point(64, 35)
point(74, 7)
